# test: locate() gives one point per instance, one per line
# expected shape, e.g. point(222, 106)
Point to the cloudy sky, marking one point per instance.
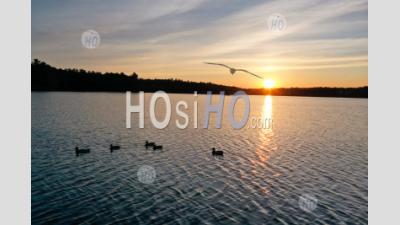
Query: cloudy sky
point(325, 42)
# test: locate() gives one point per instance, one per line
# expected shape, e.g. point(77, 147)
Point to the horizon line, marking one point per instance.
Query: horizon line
point(249, 88)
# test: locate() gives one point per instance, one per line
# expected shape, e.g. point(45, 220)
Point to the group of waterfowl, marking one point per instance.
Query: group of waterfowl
point(153, 145)
point(79, 151)
point(147, 144)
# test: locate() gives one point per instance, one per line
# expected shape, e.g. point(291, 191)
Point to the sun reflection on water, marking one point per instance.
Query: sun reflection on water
point(267, 108)
point(265, 134)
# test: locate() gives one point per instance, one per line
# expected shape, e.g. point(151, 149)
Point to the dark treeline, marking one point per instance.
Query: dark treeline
point(48, 78)
point(359, 92)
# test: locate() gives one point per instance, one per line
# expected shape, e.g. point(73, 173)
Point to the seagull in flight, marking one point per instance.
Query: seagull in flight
point(233, 70)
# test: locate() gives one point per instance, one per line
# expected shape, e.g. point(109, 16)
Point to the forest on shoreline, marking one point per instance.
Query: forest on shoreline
point(48, 78)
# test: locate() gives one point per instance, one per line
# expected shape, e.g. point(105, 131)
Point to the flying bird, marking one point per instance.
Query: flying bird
point(233, 70)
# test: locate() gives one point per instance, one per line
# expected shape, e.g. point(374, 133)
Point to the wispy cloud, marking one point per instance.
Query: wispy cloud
point(174, 37)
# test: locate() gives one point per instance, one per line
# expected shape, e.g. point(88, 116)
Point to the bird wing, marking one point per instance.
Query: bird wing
point(218, 64)
point(249, 73)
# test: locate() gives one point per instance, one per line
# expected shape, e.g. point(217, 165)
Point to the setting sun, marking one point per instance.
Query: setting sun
point(269, 83)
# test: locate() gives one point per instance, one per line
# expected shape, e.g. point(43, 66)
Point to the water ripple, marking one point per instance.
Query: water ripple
point(316, 147)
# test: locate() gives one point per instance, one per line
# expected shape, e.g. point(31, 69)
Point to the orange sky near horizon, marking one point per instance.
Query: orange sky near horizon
point(323, 44)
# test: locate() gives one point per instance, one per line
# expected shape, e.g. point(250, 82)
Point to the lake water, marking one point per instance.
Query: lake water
point(309, 167)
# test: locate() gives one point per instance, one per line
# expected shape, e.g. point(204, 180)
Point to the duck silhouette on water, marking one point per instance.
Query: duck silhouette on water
point(149, 144)
point(155, 147)
point(217, 153)
point(79, 151)
point(114, 147)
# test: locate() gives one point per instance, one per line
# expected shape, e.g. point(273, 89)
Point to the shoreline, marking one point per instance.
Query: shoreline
point(201, 93)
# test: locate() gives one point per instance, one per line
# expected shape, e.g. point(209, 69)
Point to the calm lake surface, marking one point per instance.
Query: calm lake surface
point(309, 167)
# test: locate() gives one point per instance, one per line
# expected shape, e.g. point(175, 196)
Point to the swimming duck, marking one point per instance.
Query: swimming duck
point(155, 147)
point(81, 151)
point(114, 147)
point(149, 144)
point(214, 152)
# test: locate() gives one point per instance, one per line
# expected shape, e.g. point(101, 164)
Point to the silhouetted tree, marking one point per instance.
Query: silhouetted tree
point(134, 76)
